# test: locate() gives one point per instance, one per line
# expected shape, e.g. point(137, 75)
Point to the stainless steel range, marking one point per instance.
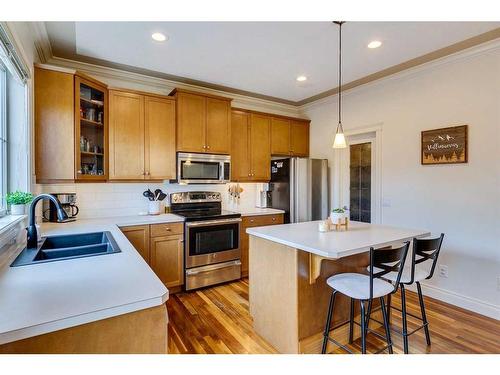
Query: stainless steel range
point(212, 238)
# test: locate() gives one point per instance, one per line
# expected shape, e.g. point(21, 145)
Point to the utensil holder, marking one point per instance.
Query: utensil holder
point(154, 207)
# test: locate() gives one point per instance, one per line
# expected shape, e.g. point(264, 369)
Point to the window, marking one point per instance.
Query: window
point(3, 139)
point(14, 75)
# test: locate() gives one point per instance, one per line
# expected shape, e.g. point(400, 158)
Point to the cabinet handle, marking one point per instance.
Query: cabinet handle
point(147, 173)
point(252, 220)
point(168, 229)
point(274, 219)
point(208, 147)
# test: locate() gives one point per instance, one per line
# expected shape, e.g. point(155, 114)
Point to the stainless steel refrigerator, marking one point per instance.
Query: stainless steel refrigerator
point(299, 186)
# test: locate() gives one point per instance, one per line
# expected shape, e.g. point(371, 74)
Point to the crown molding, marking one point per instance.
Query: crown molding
point(491, 46)
point(42, 43)
point(255, 101)
point(165, 86)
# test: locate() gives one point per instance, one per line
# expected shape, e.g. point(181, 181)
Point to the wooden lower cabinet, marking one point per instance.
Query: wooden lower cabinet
point(167, 259)
point(138, 236)
point(251, 222)
point(162, 247)
point(138, 332)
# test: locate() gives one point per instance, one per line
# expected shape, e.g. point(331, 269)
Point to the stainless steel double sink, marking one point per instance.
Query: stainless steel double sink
point(63, 247)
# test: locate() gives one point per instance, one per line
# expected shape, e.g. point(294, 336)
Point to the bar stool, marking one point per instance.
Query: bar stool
point(365, 288)
point(424, 250)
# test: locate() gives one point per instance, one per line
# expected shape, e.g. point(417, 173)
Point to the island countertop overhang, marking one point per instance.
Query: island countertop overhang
point(336, 244)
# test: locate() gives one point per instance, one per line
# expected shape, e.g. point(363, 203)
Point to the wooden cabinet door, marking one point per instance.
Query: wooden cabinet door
point(249, 222)
point(54, 126)
point(126, 136)
point(167, 259)
point(244, 248)
point(240, 163)
point(160, 138)
point(260, 147)
point(138, 235)
point(191, 122)
point(218, 131)
point(280, 136)
point(299, 138)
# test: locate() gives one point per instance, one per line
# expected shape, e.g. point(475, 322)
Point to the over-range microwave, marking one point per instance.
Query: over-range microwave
point(203, 168)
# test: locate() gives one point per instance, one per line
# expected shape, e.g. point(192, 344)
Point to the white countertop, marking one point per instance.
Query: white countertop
point(358, 239)
point(42, 298)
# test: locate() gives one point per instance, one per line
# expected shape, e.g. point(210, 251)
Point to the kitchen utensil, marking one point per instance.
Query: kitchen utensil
point(162, 196)
point(148, 194)
point(157, 194)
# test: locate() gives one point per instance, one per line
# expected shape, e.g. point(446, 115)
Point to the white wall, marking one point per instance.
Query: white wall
point(122, 199)
point(462, 200)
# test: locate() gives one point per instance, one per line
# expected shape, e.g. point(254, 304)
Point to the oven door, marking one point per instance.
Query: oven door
point(214, 241)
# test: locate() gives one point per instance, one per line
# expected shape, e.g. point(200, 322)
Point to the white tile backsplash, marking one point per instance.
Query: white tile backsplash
point(121, 199)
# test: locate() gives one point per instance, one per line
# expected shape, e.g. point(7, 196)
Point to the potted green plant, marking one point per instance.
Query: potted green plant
point(338, 213)
point(18, 201)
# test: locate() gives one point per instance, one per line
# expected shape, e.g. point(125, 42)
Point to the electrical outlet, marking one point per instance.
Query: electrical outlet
point(443, 270)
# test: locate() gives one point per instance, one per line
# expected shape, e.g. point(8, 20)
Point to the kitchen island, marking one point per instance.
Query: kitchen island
point(289, 265)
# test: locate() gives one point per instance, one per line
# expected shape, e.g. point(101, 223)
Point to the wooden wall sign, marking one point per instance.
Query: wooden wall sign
point(444, 146)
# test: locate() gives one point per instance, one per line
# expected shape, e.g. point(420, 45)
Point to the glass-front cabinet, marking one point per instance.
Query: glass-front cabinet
point(91, 130)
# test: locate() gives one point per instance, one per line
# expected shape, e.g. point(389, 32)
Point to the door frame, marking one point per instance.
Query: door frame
point(342, 178)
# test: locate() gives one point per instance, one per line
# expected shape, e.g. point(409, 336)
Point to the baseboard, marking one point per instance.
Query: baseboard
point(468, 303)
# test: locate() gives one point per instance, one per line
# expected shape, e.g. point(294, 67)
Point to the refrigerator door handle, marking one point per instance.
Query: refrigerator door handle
point(293, 201)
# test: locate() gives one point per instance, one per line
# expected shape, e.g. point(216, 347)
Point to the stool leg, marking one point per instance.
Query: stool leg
point(363, 328)
point(403, 316)
point(424, 316)
point(386, 325)
point(389, 300)
point(328, 322)
point(368, 313)
point(351, 322)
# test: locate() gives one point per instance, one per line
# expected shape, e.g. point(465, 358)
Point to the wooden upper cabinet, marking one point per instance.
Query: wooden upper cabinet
point(218, 132)
point(240, 162)
point(280, 136)
point(260, 147)
point(141, 136)
point(54, 126)
point(191, 122)
point(91, 129)
point(160, 138)
point(289, 137)
point(126, 136)
point(299, 138)
point(203, 123)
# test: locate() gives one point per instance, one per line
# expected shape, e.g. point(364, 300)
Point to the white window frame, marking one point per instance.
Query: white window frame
point(3, 139)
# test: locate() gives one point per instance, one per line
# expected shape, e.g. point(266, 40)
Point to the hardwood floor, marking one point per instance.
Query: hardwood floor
point(216, 320)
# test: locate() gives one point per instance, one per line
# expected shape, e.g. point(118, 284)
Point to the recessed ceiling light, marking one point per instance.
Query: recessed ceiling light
point(374, 44)
point(159, 37)
point(301, 78)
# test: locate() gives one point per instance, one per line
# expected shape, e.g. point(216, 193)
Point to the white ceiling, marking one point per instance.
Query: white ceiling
point(264, 57)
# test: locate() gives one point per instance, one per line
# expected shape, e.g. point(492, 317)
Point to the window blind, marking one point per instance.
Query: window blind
point(11, 58)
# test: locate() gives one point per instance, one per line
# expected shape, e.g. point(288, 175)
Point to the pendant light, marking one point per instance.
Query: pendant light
point(339, 141)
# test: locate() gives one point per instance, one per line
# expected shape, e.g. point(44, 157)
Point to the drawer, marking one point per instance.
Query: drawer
point(167, 229)
point(262, 220)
